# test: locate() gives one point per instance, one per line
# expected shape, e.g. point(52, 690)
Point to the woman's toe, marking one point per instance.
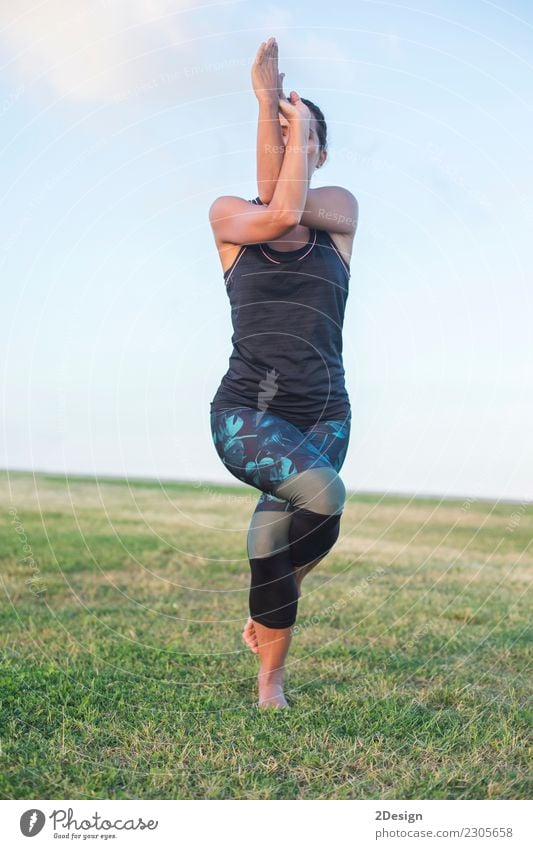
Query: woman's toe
point(249, 636)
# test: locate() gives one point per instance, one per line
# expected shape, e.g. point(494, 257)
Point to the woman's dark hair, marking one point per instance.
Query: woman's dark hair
point(321, 122)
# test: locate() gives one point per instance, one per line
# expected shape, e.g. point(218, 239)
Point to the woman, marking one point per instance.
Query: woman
point(281, 416)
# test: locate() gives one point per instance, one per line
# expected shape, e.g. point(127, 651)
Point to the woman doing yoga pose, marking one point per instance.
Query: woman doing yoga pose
point(280, 418)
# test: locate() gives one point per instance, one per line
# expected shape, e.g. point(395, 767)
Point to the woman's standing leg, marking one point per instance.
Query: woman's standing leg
point(268, 534)
point(273, 601)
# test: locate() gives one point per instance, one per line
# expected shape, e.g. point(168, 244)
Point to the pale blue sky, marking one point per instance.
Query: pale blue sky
point(121, 122)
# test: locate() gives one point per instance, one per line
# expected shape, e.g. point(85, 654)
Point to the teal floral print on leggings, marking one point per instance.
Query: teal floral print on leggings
point(264, 449)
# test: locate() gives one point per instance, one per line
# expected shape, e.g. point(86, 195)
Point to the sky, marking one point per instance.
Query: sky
point(123, 120)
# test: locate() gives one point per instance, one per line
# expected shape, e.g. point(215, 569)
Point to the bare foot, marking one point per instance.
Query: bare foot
point(271, 690)
point(249, 636)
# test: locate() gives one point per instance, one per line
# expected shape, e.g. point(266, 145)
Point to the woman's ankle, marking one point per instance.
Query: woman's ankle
point(271, 676)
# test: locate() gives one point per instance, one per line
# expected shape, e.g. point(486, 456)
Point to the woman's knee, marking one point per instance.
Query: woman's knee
point(268, 533)
point(319, 490)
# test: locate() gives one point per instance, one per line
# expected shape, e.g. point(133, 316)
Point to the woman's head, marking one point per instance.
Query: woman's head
point(319, 124)
point(318, 135)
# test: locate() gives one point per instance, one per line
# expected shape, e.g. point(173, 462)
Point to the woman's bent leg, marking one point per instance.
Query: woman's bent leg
point(330, 439)
point(318, 497)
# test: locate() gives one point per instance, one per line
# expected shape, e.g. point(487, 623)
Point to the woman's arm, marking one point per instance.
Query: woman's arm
point(293, 182)
point(330, 208)
point(270, 149)
point(268, 87)
point(237, 221)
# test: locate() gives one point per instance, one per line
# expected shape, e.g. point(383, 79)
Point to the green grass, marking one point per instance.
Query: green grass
point(124, 674)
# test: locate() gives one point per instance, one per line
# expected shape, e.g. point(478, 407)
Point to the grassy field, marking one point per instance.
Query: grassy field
point(124, 674)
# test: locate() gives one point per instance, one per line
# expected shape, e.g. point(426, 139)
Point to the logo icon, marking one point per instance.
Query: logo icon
point(31, 822)
point(269, 388)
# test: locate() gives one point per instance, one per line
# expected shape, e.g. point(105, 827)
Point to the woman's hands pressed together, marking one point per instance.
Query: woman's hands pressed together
point(295, 110)
point(267, 82)
point(280, 119)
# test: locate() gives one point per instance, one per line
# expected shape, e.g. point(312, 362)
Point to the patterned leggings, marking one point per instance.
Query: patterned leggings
point(297, 517)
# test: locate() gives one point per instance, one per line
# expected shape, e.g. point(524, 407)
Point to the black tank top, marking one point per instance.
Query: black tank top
point(287, 312)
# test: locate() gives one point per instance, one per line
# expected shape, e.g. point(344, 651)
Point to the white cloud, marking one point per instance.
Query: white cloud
point(108, 50)
point(90, 50)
